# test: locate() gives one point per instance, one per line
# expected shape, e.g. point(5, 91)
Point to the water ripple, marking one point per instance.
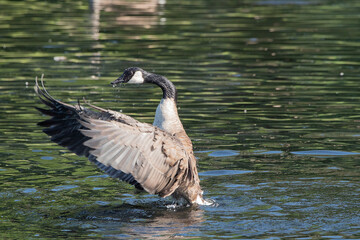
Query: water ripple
point(324, 153)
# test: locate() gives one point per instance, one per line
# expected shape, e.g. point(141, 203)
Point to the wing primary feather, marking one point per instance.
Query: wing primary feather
point(110, 154)
point(89, 133)
point(121, 157)
point(95, 143)
point(128, 162)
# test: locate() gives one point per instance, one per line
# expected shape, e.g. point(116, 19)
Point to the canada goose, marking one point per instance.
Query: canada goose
point(156, 158)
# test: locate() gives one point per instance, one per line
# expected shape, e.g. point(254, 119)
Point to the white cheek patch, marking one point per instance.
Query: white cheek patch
point(137, 78)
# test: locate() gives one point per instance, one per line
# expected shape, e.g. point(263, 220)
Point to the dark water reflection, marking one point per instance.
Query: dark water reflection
point(268, 91)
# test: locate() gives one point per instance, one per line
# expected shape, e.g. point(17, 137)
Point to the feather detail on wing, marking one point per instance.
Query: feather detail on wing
point(153, 157)
point(135, 152)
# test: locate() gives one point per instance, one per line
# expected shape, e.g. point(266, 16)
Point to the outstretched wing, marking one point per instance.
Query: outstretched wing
point(135, 152)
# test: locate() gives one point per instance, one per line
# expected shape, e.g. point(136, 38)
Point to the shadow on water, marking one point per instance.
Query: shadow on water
point(140, 219)
point(143, 220)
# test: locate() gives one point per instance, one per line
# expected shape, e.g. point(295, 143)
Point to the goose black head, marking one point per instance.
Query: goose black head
point(132, 75)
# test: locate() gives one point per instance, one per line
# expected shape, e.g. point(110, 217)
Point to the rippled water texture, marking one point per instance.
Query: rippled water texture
point(268, 91)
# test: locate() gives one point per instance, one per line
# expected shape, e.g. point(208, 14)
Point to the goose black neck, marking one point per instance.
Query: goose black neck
point(168, 88)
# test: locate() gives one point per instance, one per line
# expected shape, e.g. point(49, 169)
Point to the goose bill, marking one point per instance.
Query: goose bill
point(118, 81)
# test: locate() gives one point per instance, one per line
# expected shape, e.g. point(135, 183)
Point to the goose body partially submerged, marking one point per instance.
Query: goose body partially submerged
point(156, 158)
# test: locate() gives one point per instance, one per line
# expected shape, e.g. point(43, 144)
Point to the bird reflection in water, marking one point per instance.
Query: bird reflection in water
point(146, 220)
point(136, 13)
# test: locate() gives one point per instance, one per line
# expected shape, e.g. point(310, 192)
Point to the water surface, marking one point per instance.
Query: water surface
point(268, 91)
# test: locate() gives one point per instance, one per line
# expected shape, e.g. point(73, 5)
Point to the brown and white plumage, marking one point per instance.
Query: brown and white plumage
point(156, 158)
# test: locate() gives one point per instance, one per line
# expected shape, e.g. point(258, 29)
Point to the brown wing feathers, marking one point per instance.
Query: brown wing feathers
point(137, 152)
point(124, 148)
point(64, 128)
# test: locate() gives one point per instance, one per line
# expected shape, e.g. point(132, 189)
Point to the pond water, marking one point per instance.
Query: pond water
point(268, 91)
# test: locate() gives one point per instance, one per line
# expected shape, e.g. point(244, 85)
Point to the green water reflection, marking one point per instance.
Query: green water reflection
point(268, 91)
